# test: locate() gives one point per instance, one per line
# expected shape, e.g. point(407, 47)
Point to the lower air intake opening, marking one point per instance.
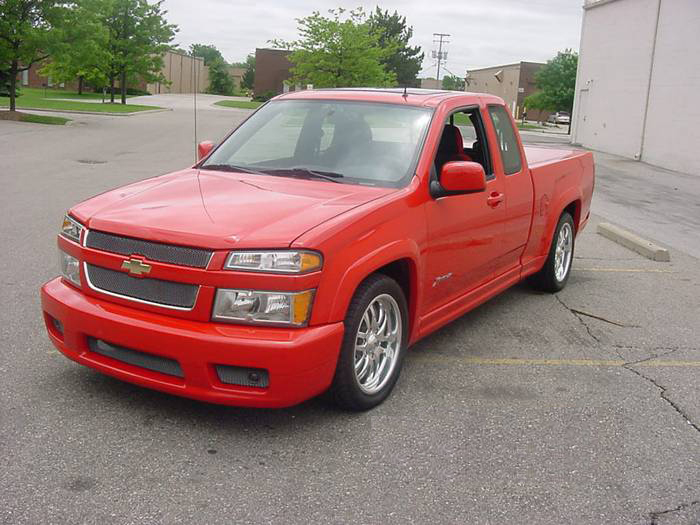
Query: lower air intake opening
point(237, 375)
point(156, 363)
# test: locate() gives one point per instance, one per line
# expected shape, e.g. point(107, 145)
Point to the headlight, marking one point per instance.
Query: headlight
point(71, 229)
point(283, 261)
point(253, 307)
point(70, 267)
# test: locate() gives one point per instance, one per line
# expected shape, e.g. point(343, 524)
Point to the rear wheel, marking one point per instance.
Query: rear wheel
point(376, 336)
point(556, 270)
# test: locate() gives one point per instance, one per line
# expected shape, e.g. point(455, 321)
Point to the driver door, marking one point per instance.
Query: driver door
point(464, 230)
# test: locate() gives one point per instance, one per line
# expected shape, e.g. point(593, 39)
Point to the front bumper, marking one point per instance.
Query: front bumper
point(300, 362)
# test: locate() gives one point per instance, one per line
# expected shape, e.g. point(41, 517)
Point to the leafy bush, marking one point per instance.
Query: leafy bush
point(220, 82)
point(265, 96)
point(136, 91)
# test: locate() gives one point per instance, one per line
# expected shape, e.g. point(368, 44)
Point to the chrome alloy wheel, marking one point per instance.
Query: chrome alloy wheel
point(563, 252)
point(377, 344)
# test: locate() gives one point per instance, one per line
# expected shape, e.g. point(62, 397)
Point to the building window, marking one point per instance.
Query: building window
point(25, 77)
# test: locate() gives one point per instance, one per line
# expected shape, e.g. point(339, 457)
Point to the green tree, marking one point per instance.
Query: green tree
point(338, 51)
point(539, 102)
point(220, 82)
point(452, 83)
point(26, 31)
point(248, 80)
point(557, 80)
point(138, 37)
point(208, 52)
point(80, 49)
point(403, 60)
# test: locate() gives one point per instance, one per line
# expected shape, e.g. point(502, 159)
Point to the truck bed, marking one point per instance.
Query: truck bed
point(537, 155)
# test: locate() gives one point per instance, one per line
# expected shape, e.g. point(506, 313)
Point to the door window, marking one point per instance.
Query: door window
point(507, 141)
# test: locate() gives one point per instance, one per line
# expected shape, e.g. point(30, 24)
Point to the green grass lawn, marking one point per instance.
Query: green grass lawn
point(527, 125)
point(44, 119)
point(62, 93)
point(35, 99)
point(240, 104)
point(36, 119)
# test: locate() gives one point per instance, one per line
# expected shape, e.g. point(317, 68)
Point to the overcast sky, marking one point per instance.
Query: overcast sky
point(483, 32)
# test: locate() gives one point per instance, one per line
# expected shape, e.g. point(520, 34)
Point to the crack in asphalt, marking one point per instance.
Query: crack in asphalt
point(656, 515)
point(579, 317)
point(593, 316)
point(661, 388)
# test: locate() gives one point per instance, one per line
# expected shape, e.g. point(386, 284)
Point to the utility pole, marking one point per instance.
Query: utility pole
point(440, 38)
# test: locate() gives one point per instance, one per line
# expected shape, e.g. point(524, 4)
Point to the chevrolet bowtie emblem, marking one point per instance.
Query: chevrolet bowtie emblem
point(136, 267)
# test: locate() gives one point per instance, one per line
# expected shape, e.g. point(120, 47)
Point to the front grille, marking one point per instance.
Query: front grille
point(126, 355)
point(236, 375)
point(167, 253)
point(157, 291)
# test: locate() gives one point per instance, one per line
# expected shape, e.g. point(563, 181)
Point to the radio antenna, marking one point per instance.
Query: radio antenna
point(194, 103)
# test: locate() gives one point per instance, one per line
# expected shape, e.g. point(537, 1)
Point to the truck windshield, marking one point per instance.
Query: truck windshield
point(335, 141)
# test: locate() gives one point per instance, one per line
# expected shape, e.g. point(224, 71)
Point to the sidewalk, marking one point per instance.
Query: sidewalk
point(654, 202)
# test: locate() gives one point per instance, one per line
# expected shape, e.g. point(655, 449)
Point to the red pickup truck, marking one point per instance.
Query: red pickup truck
point(309, 249)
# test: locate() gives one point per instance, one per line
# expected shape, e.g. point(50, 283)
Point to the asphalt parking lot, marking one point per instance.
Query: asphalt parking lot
point(580, 407)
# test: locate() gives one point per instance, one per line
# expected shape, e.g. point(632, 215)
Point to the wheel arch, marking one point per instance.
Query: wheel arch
point(400, 262)
point(574, 209)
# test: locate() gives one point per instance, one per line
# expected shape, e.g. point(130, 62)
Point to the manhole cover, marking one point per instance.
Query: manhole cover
point(92, 161)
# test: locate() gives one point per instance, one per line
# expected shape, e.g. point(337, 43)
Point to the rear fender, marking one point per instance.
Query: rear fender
point(565, 199)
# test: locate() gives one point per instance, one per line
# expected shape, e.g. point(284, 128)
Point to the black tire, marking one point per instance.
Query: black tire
point(546, 279)
point(345, 391)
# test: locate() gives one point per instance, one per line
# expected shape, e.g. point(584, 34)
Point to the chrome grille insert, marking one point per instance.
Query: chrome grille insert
point(167, 253)
point(151, 291)
point(153, 362)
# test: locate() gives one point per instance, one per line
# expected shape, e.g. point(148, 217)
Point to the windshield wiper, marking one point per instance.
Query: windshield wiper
point(231, 167)
point(324, 175)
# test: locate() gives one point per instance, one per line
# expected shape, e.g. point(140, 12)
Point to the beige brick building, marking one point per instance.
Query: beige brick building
point(184, 73)
point(511, 82)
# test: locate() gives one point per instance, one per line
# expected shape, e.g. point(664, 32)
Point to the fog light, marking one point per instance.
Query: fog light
point(70, 267)
point(58, 325)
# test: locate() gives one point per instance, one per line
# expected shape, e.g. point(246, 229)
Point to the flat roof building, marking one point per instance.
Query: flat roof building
point(511, 82)
point(272, 70)
point(638, 81)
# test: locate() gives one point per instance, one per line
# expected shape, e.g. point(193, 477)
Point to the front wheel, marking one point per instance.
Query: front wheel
point(556, 270)
point(376, 336)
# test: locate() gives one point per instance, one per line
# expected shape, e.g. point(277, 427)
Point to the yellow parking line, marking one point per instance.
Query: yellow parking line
point(630, 270)
point(551, 362)
point(663, 362)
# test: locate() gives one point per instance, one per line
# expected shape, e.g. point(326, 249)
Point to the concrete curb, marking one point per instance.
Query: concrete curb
point(101, 113)
point(633, 242)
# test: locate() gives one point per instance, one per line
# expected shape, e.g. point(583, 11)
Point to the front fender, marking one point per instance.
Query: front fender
point(368, 264)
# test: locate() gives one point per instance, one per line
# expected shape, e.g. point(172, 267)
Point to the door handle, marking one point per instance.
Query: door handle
point(494, 199)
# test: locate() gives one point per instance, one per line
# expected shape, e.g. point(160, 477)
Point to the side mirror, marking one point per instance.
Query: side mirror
point(204, 148)
point(462, 177)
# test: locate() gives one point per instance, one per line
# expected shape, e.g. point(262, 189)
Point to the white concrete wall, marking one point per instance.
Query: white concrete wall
point(672, 134)
point(613, 75)
point(638, 81)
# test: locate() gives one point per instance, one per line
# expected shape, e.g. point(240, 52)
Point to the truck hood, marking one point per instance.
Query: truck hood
point(221, 210)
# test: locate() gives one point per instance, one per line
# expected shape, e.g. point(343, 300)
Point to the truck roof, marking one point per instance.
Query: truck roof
point(413, 96)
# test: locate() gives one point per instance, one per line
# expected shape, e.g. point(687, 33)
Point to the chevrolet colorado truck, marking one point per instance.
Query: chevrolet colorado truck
point(309, 249)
